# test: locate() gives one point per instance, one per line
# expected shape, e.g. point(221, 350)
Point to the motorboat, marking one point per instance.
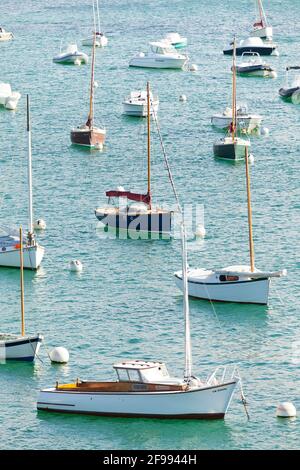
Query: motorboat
point(161, 55)
point(291, 90)
point(261, 27)
point(253, 65)
point(135, 212)
point(100, 40)
point(136, 104)
point(232, 147)
point(20, 347)
point(33, 253)
point(245, 121)
point(71, 56)
point(8, 98)
point(5, 35)
point(175, 40)
point(252, 44)
point(89, 135)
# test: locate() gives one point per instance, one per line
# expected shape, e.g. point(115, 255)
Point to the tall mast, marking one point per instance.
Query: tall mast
point(98, 16)
point(90, 119)
point(30, 210)
point(149, 143)
point(22, 285)
point(233, 129)
point(186, 310)
point(251, 245)
point(94, 15)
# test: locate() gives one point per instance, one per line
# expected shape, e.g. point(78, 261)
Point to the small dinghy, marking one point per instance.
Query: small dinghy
point(5, 35)
point(136, 104)
point(8, 98)
point(101, 39)
point(291, 90)
point(71, 56)
point(261, 28)
point(245, 121)
point(175, 40)
point(161, 55)
point(252, 44)
point(20, 347)
point(252, 65)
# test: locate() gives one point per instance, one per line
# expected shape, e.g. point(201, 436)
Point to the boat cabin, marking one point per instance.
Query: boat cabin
point(141, 371)
point(160, 48)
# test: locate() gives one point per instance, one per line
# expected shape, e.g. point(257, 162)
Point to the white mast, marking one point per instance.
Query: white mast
point(186, 309)
point(94, 15)
point(30, 210)
point(98, 16)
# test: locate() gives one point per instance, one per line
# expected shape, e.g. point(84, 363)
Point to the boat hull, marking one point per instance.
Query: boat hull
point(250, 123)
point(20, 349)
point(266, 50)
point(88, 138)
point(255, 291)
point(156, 223)
point(230, 151)
point(74, 58)
point(288, 93)
point(255, 71)
point(263, 33)
point(32, 257)
point(205, 403)
point(158, 63)
point(101, 41)
point(138, 110)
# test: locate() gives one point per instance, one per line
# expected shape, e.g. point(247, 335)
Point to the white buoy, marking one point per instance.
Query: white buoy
point(96, 84)
point(200, 231)
point(39, 224)
point(76, 265)
point(273, 74)
point(193, 68)
point(286, 410)
point(60, 355)
point(265, 131)
point(182, 98)
point(251, 158)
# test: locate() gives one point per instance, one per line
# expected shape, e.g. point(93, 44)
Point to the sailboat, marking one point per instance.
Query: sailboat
point(261, 28)
point(145, 389)
point(33, 253)
point(232, 147)
point(140, 217)
point(88, 135)
point(244, 284)
point(20, 347)
point(100, 40)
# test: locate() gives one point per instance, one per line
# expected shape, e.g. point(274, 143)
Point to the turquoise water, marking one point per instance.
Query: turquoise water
point(125, 303)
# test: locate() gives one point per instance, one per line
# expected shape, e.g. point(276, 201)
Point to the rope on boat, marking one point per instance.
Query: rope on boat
point(244, 401)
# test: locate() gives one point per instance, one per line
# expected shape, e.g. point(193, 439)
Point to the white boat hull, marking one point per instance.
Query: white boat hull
point(138, 110)
point(250, 123)
point(101, 41)
point(6, 36)
point(201, 403)
point(75, 59)
point(263, 33)
point(158, 63)
point(32, 257)
point(22, 348)
point(255, 291)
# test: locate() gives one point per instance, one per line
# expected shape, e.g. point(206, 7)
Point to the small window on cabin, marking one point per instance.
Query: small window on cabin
point(232, 278)
point(222, 278)
point(123, 376)
point(134, 375)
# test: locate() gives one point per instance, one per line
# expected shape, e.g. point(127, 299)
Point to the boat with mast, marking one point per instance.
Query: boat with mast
point(261, 28)
point(33, 253)
point(142, 216)
point(145, 389)
point(100, 40)
point(239, 283)
point(89, 135)
point(20, 347)
point(232, 147)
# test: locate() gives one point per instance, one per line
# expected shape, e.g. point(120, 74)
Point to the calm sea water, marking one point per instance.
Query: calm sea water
point(125, 303)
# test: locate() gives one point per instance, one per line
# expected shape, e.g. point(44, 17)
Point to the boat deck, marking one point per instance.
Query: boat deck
point(119, 387)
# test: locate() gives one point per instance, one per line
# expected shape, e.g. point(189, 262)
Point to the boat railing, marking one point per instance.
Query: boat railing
point(223, 374)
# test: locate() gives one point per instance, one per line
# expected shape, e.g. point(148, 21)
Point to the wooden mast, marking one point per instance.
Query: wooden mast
point(149, 144)
point(22, 285)
point(30, 204)
point(251, 245)
point(233, 91)
point(90, 119)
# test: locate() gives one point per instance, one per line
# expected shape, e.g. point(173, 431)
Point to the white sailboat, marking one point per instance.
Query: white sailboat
point(100, 40)
point(9, 243)
point(261, 28)
point(5, 35)
point(239, 283)
point(146, 389)
point(20, 347)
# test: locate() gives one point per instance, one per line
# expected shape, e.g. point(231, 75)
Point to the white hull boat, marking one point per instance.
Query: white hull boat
point(175, 40)
point(136, 104)
point(5, 35)
point(244, 120)
point(101, 41)
point(71, 56)
point(261, 28)
point(263, 32)
point(162, 56)
point(19, 348)
point(8, 98)
point(10, 256)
